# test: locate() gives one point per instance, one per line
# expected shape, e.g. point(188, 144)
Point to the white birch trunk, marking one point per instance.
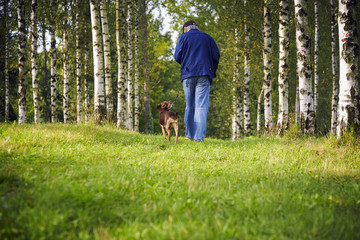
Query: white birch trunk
point(45, 90)
point(267, 68)
point(22, 61)
point(348, 107)
point(303, 45)
point(53, 65)
point(99, 101)
point(107, 61)
point(258, 120)
point(136, 69)
point(334, 99)
point(130, 67)
point(78, 66)
point(34, 65)
point(283, 81)
point(66, 68)
point(247, 124)
point(7, 88)
point(237, 106)
point(121, 53)
point(316, 61)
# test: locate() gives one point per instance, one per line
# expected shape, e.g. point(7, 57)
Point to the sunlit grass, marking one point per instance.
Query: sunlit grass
point(99, 182)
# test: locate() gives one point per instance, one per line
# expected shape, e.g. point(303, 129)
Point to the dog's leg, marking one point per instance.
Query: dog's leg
point(163, 131)
point(168, 130)
point(176, 128)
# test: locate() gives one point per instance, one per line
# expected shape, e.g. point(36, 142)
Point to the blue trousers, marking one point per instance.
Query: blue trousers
point(197, 90)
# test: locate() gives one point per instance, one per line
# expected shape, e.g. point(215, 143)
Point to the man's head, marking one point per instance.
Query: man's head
point(189, 25)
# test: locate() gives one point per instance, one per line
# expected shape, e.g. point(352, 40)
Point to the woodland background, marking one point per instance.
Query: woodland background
point(217, 18)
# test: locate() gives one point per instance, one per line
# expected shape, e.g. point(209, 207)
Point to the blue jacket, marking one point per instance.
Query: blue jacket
point(197, 54)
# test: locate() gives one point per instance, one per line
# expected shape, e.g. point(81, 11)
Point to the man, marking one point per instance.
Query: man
point(199, 57)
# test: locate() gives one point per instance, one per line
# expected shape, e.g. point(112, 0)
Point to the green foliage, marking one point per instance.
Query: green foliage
point(98, 182)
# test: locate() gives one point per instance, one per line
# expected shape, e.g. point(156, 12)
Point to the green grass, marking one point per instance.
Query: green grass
point(98, 182)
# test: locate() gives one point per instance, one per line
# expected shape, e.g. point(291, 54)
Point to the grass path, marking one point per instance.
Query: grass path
point(98, 182)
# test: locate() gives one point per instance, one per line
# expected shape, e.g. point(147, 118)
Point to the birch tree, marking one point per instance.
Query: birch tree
point(78, 65)
point(247, 124)
point(121, 53)
point(66, 65)
point(34, 65)
point(53, 63)
point(237, 94)
point(316, 61)
point(130, 67)
point(99, 100)
point(348, 107)
point(86, 80)
point(267, 67)
point(136, 68)
point(22, 61)
point(283, 81)
point(304, 71)
point(334, 68)
point(107, 61)
point(258, 120)
point(7, 89)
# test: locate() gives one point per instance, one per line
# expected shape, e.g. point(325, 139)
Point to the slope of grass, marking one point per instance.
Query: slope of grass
point(98, 182)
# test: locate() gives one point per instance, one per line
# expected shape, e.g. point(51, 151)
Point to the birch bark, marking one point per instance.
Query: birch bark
point(98, 58)
point(136, 68)
point(130, 67)
point(53, 64)
point(348, 107)
point(267, 68)
point(247, 124)
point(66, 66)
point(303, 45)
point(7, 89)
point(78, 65)
point(334, 65)
point(283, 81)
point(34, 65)
point(316, 61)
point(237, 94)
point(121, 53)
point(22, 61)
point(107, 61)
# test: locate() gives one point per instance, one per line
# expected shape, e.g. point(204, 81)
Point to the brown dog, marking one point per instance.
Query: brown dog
point(167, 119)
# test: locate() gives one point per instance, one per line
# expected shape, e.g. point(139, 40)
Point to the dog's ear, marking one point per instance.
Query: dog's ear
point(159, 106)
point(169, 102)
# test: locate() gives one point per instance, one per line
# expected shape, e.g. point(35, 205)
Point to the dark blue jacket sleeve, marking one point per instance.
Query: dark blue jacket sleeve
point(178, 50)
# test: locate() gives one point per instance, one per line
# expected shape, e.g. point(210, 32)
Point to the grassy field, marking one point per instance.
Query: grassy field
point(98, 182)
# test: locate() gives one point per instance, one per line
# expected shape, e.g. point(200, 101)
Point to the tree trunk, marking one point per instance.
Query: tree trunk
point(136, 69)
point(121, 53)
point(149, 126)
point(348, 107)
point(130, 66)
point(258, 121)
point(53, 64)
point(267, 68)
point(247, 124)
point(66, 67)
point(34, 65)
point(22, 61)
point(237, 106)
point(78, 66)
point(99, 101)
point(303, 45)
point(334, 99)
point(283, 115)
point(316, 61)
point(107, 60)
point(7, 89)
